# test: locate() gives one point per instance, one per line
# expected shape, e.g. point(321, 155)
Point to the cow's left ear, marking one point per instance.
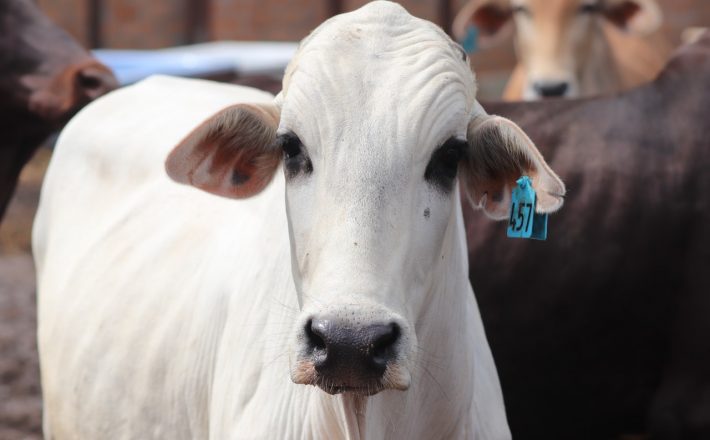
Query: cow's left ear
point(232, 154)
point(499, 153)
point(640, 17)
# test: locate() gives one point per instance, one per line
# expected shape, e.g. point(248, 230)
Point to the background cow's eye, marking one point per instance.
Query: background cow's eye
point(444, 163)
point(588, 8)
point(520, 9)
point(296, 161)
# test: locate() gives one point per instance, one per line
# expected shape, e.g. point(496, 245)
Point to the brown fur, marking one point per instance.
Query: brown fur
point(603, 329)
point(304, 372)
point(45, 77)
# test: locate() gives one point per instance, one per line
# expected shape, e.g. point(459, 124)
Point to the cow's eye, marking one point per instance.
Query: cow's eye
point(444, 163)
point(589, 8)
point(295, 159)
point(522, 10)
point(291, 145)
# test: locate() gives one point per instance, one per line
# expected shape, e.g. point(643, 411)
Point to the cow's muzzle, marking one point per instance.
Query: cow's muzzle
point(341, 356)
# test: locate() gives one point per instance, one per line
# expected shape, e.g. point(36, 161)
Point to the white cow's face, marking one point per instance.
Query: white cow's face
point(375, 125)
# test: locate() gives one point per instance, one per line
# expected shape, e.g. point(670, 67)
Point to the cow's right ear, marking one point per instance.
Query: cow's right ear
point(232, 154)
point(499, 154)
point(492, 19)
point(640, 17)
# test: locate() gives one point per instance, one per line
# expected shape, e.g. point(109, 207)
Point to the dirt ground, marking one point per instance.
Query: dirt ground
point(20, 401)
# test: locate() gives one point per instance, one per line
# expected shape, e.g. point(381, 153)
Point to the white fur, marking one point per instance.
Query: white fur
point(169, 313)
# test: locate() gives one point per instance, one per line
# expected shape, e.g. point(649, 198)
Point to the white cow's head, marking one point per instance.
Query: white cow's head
point(375, 126)
point(557, 40)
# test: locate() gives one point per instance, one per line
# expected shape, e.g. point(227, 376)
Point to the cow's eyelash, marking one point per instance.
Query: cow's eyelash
point(443, 165)
point(296, 160)
point(520, 9)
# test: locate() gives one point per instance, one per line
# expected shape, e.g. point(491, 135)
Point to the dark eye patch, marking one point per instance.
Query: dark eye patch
point(589, 8)
point(444, 163)
point(521, 10)
point(296, 161)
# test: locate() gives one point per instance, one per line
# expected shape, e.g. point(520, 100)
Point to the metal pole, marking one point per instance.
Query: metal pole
point(446, 15)
point(197, 21)
point(93, 16)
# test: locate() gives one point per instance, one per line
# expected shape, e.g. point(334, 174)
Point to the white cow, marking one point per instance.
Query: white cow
point(166, 312)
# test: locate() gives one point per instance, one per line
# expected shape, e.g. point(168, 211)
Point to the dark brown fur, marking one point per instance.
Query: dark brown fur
point(605, 328)
point(45, 77)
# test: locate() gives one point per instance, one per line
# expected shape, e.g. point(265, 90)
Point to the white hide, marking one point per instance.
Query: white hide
point(169, 313)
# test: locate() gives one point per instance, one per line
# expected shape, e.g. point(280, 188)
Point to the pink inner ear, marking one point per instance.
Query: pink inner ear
point(231, 154)
point(492, 196)
point(500, 153)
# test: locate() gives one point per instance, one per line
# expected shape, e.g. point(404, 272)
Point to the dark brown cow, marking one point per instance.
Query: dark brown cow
point(45, 77)
point(605, 328)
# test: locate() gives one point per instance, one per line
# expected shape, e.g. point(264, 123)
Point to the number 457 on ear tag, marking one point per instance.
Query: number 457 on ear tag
point(524, 222)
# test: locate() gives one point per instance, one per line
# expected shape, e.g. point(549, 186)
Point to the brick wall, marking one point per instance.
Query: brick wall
point(72, 15)
point(143, 23)
point(271, 20)
point(161, 23)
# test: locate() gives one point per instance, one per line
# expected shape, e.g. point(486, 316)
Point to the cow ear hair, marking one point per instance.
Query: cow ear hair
point(232, 154)
point(499, 154)
point(640, 17)
point(492, 18)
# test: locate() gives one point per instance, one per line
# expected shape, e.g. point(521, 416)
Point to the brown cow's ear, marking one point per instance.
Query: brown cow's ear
point(640, 17)
point(492, 18)
point(232, 154)
point(499, 154)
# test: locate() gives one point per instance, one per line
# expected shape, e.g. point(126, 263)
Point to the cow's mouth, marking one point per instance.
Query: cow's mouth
point(369, 389)
point(349, 382)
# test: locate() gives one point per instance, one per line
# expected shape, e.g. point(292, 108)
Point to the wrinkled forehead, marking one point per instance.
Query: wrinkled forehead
point(378, 66)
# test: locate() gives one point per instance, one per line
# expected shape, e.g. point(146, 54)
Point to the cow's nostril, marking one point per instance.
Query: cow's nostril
point(93, 81)
point(551, 89)
point(383, 343)
point(348, 354)
point(315, 335)
point(88, 81)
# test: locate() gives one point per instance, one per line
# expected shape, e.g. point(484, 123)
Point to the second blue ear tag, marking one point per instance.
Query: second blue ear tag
point(470, 40)
point(524, 222)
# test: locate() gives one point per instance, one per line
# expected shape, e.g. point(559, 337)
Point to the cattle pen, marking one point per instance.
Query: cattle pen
point(594, 331)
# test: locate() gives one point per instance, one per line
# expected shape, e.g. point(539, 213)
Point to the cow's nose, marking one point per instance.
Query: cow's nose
point(94, 80)
point(57, 97)
point(349, 354)
point(551, 89)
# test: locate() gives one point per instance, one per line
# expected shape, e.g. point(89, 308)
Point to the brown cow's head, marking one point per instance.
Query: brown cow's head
point(45, 77)
point(556, 40)
point(43, 71)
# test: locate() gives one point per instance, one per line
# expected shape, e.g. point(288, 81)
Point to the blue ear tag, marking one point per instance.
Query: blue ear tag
point(470, 40)
point(524, 222)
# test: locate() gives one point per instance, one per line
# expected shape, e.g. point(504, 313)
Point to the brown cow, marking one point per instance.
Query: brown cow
point(572, 48)
point(605, 328)
point(45, 77)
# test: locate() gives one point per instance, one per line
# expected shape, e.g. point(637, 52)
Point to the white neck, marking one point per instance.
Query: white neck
point(441, 399)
